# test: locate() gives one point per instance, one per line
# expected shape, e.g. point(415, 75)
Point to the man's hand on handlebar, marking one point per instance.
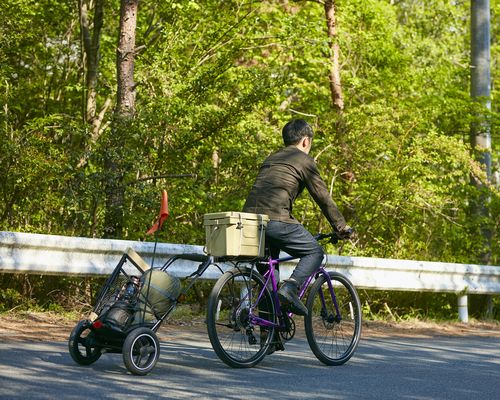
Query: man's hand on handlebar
point(334, 237)
point(346, 232)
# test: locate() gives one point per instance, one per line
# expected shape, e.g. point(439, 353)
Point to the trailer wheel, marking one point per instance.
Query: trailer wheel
point(82, 344)
point(141, 351)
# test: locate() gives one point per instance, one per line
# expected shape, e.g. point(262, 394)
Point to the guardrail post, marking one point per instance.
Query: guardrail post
point(463, 312)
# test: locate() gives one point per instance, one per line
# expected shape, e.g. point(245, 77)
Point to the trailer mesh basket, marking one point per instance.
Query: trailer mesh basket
point(159, 292)
point(111, 290)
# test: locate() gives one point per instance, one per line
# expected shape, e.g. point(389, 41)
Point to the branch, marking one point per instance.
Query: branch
point(301, 113)
point(97, 122)
point(219, 42)
point(149, 178)
point(321, 152)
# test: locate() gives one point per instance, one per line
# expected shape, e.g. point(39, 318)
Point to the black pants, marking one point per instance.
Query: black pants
point(297, 241)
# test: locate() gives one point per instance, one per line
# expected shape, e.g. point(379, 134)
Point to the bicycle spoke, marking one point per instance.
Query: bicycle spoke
point(232, 305)
point(333, 325)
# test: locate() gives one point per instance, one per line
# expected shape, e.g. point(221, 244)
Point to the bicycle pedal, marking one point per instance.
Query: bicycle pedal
point(251, 338)
point(278, 344)
point(275, 346)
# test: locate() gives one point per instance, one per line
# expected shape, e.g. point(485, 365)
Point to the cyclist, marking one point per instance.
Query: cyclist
point(281, 178)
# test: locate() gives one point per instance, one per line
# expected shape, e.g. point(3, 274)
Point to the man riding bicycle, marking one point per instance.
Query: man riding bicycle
point(281, 178)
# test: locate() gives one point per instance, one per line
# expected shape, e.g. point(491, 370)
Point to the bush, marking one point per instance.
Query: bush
point(61, 294)
point(397, 306)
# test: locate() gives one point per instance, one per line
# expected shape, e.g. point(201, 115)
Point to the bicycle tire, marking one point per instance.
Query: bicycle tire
point(332, 338)
point(236, 340)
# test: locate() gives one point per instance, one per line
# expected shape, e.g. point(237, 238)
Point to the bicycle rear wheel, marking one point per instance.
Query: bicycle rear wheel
point(333, 332)
point(234, 299)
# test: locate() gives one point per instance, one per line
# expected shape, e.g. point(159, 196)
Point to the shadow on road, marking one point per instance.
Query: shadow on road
point(437, 368)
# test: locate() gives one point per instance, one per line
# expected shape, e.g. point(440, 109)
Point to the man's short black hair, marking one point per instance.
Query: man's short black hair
point(295, 130)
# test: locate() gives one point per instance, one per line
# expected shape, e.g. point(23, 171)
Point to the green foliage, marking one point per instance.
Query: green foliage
point(216, 81)
point(399, 306)
point(9, 298)
point(23, 292)
point(62, 294)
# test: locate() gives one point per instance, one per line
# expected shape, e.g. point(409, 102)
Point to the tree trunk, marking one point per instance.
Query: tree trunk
point(481, 79)
point(125, 108)
point(91, 38)
point(334, 73)
point(481, 93)
point(91, 43)
point(337, 98)
point(122, 121)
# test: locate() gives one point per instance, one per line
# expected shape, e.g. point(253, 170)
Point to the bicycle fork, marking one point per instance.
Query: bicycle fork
point(324, 310)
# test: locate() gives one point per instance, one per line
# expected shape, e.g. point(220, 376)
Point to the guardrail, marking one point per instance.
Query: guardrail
point(63, 255)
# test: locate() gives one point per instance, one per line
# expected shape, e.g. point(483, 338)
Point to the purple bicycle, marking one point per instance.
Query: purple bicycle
point(245, 320)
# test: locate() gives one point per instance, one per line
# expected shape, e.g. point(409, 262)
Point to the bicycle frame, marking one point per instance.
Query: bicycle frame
point(270, 277)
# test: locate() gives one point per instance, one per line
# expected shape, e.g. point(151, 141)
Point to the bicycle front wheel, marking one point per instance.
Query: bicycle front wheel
point(238, 296)
point(333, 323)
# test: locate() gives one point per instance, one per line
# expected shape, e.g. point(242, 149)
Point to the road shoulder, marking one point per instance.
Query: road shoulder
point(39, 326)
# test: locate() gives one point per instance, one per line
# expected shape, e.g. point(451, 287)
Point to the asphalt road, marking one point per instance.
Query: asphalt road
point(390, 368)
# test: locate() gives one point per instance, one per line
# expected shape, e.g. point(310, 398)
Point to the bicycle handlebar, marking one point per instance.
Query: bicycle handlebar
point(321, 236)
point(333, 236)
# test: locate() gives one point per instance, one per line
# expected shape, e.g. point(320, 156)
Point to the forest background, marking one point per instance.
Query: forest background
point(214, 82)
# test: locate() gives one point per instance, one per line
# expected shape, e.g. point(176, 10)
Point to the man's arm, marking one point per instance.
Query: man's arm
point(319, 192)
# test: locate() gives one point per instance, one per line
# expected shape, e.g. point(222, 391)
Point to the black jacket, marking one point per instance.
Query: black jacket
point(282, 177)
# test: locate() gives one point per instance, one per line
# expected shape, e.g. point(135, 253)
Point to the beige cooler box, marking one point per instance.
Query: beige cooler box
point(235, 234)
